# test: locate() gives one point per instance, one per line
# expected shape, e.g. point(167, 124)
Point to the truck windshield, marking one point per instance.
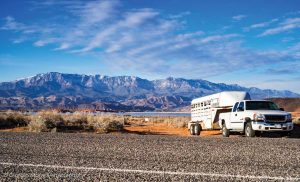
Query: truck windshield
point(261, 105)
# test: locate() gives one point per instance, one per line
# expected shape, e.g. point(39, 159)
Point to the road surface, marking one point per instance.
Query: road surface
point(126, 157)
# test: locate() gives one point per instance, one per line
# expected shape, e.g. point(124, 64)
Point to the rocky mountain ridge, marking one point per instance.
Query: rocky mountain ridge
point(58, 90)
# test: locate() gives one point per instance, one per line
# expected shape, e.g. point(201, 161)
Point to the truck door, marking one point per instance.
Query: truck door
point(238, 117)
point(233, 115)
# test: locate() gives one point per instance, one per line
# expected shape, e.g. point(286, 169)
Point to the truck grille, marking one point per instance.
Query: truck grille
point(275, 118)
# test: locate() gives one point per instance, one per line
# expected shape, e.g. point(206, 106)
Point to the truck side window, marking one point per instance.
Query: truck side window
point(235, 107)
point(241, 106)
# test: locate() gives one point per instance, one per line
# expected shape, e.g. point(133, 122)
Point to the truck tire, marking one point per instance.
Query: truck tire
point(192, 129)
point(249, 132)
point(225, 131)
point(197, 129)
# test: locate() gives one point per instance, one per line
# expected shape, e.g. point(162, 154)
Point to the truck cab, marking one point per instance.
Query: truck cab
point(254, 116)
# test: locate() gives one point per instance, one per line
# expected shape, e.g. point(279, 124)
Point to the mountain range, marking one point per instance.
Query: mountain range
point(128, 93)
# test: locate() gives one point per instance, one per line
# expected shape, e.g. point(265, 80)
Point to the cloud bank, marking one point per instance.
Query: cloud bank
point(149, 41)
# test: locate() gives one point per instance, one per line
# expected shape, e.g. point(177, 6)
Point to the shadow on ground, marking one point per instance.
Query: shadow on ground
point(124, 131)
point(294, 134)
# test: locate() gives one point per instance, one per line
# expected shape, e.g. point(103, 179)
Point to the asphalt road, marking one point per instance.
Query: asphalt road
point(125, 157)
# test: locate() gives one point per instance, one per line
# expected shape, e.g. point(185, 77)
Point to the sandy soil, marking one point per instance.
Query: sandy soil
point(164, 129)
point(19, 129)
point(145, 129)
point(296, 114)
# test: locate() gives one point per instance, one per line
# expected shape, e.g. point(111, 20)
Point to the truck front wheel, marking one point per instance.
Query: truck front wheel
point(225, 131)
point(249, 132)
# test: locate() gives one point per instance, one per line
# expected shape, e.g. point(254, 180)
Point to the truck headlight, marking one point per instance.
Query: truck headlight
point(258, 117)
point(288, 117)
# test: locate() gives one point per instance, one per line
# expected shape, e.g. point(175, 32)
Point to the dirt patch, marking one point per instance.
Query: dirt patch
point(164, 129)
point(18, 129)
point(295, 114)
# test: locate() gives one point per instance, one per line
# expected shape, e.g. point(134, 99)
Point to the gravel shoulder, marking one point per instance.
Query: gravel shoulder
point(126, 157)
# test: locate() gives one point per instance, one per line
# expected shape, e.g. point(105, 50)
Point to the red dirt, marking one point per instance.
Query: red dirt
point(164, 129)
point(18, 129)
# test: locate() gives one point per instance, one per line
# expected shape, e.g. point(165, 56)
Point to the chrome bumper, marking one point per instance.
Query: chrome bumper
point(263, 126)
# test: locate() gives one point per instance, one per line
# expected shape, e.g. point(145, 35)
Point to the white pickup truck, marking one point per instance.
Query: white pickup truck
point(252, 117)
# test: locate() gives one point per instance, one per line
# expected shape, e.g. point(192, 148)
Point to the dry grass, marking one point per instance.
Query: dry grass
point(47, 121)
point(296, 117)
point(38, 124)
point(175, 122)
point(105, 123)
point(11, 119)
point(296, 120)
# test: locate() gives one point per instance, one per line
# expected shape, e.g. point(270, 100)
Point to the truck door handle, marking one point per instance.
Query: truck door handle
point(235, 114)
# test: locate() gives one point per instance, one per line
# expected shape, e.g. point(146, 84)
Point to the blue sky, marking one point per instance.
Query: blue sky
point(251, 43)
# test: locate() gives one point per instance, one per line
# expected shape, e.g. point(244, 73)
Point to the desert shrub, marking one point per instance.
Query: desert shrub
point(105, 124)
point(51, 119)
point(176, 122)
point(296, 120)
point(12, 119)
point(75, 120)
point(38, 124)
point(45, 121)
point(108, 126)
point(131, 120)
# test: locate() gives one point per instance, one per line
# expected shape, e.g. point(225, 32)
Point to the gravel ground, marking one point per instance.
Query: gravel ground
point(125, 157)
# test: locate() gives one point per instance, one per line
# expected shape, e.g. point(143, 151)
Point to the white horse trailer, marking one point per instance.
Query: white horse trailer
point(205, 110)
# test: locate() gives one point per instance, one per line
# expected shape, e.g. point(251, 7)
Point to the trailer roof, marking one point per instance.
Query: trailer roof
point(224, 99)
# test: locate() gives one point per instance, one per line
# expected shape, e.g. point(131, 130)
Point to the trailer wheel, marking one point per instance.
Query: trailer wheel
point(197, 129)
point(192, 129)
point(225, 131)
point(249, 132)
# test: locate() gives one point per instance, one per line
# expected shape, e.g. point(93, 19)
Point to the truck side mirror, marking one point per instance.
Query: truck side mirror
point(281, 109)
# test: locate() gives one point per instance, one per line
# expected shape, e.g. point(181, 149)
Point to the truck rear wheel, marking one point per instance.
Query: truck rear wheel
point(249, 132)
point(225, 131)
point(192, 129)
point(197, 129)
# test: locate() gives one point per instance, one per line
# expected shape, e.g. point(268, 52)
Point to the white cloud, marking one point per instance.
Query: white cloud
point(261, 25)
point(286, 25)
point(41, 43)
point(97, 11)
point(238, 17)
point(63, 46)
point(131, 20)
point(146, 40)
point(12, 24)
point(218, 38)
point(180, 15)
point(291, 21)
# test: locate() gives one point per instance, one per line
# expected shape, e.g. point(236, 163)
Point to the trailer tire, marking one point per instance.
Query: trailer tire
point(192, 129)
point(249, 132)
point(197, 129)
point(225, 131)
